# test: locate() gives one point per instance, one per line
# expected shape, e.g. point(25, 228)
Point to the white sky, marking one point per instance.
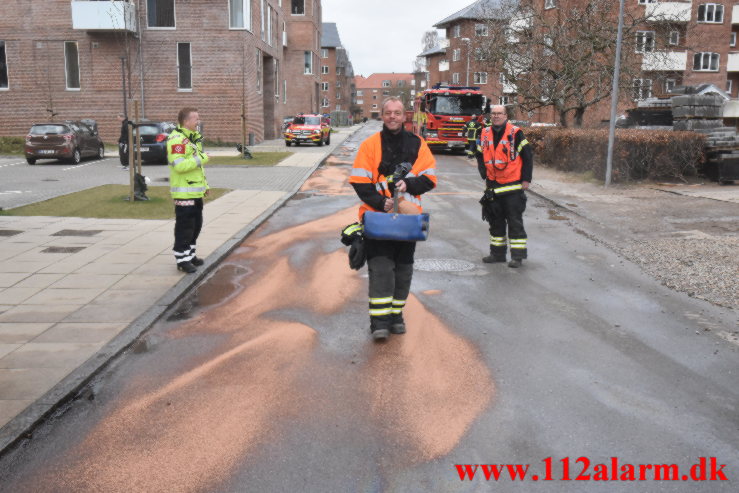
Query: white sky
point(385, 35)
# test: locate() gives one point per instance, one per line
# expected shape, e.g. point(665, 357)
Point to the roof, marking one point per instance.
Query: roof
point(433, 51)
point(330, 35)
point(374, 81)
point(479, 10)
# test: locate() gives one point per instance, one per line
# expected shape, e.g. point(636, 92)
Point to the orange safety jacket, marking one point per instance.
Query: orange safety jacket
point(366, 170)
point(503, 163)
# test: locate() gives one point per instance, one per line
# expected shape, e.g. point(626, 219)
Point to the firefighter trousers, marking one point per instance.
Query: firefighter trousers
point(506, 216)
point(390, 266)
point(187, 226)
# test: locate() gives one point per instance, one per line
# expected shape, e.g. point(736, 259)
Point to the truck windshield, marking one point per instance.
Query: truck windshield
point(440, 104)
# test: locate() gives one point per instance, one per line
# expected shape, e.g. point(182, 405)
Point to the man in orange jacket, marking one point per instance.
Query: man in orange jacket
point(390, 263)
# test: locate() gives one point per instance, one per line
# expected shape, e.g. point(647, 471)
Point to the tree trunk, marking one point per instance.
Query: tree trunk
point(579, 112)
point(563, 118)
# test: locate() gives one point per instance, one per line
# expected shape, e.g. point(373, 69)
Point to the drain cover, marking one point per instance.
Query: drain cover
point(62, 249)
point(78, 232)
point(9, 232)
point(442, 265)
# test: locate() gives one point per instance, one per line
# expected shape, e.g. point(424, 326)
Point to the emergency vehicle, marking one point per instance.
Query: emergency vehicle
point(441, 113)
point(308, 129)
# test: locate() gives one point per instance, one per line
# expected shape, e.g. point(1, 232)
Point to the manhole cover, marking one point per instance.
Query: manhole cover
point(442, 265)
point(78, 232)
point(9, 232)
point(62, 249)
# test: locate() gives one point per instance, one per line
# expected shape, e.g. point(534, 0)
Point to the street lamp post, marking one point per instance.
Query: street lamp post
point(467, 76)
point(614, 95)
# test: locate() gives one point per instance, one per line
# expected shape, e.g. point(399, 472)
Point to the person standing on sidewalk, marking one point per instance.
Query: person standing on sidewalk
point(505, 161)
point(188, 186)
point(390, 263)
point(123, 141)
point(472, 129)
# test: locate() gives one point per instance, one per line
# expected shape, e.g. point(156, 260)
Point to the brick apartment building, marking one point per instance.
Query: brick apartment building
point(686, 43)
point(337, 74)
point(65, 59)
point(372, 91)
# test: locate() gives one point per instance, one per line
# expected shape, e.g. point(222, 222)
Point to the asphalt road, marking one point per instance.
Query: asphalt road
point(265, 378)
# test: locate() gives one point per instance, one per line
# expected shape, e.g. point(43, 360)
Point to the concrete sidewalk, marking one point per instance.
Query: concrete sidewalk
point(75, 292)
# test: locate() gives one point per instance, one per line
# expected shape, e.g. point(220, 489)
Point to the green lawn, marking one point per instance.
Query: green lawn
point(260, 159)
point(108, 201)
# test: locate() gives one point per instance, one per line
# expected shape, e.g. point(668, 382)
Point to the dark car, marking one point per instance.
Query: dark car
point(153, 138)
point(69, 141)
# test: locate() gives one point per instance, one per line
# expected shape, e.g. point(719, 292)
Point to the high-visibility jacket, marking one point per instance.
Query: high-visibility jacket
point(503, 163)
point(366, 170)
point(473, 128)
point(186, 158)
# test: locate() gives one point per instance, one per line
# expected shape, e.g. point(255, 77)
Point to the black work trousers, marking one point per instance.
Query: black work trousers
point(123, 153)
point(187, 226)
point(505, 215)
point(390, 266)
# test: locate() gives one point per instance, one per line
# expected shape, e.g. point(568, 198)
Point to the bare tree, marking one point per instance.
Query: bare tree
point(430, 39)
point(564, 58)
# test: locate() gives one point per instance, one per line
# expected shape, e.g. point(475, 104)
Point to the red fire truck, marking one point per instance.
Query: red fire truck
point(441, 113)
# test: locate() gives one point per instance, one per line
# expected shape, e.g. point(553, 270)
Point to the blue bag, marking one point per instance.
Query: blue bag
point(393, 226)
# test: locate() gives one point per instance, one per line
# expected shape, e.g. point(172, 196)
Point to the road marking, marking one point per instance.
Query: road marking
point(86, 164)
point(15, 191)
point(12, 164)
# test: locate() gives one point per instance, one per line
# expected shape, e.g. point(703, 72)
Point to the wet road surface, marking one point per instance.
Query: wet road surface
point(265, 378)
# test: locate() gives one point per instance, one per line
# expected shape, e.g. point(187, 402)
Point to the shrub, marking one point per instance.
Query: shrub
point(11, 145)
point(637, 154)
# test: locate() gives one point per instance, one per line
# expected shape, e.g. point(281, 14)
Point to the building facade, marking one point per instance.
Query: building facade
point(168, 53)
point(337, 76)
point(373, 90)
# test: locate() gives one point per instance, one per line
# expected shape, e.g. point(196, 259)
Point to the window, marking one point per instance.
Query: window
point(160, 13)
point(276, 78)
point(72, 64)
point(184, 66)
point(455, 78)
point(360, 93)
point(374, 106)
point(669, 85)
point(374, 90)
point(729, 86)
point(479, 54)
point(644, 41)
point(455, 31)
point(338, 107)
point(298, 7)
point(262, 15)
point(705, 62)
point(269, 25)
point(338, 83)
point(338, 95)
point(374, 97)
point(324, 52)
point(732, 40)
point(385, 83)
point(456, 54)
point(284, 91)
point(239, 14)
point(481, 30)
point(548, 45)
point(324, 69)
point(711, 12)
point(644, 2)
point(504, 100)
point(642, 89)
point(3, 67)
point(386, 93)
point(360, 101)
point(324, 102)
point(674, 38)
point(401, 83)
point(260, 68)
point(308, 62)
point(480, 78)
point(324, 86)
point(548, 4)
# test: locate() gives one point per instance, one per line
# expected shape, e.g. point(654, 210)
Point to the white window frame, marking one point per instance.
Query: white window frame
point(291, 8)
point(456, 30)
point(374, 106)
point(710, 12)
point(276, 64)
point(504, 100)
point(674, 38)
point(385, 83)
point(324, 69)
point(456, 54)
point(644, 2)
point(710, 55)
point(360, 101)
point(549, 4)
point(480, 78)
point(308, 67)
point(165, 28)
point(66, 67)
point(324, 86)
point(670, 85)
point(324, 52)
point(246, 17)
point(259, 69)
point(284, 91)
point(646, 43)
point(179, 82)
point(455, 78)
point(262, 16)
point(338, 95)
point(729, 86)
point(638, 88)
point(269, 25)
point(732, 40)
point(360, 93)
point(481, 30)
point(324, 103)
point(4, 47)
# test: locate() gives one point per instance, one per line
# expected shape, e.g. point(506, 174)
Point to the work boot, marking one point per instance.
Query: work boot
point(186, 267)
point(379, 332)
point(514, 263)
point(197, 262)
point(398, 325)
point(492, 259)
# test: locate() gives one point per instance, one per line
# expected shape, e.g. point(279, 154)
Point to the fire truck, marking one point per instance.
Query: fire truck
point(441, 113)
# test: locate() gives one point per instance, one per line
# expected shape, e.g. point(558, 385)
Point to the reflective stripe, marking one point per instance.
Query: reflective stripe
point(428, 171)
point(177, 161)
point(197, 160)
point(518, 247)
point(380, 311)
point(396, 311)
point(361, 172)
point(519, 243)
point(520, 146)
point(398, 302)
point(381, 185)
point(500, 161)
point(411, 198)
point(509, 188)
point(186, 189)
point(520, 240)
point(352, 229)
point(380, 301)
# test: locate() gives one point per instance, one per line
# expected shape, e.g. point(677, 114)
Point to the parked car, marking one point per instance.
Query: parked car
point(153, 139)
point(308, 128)
point(69, 141)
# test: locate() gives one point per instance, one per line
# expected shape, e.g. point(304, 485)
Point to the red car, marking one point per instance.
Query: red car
point(308, 128)
point(69, 141)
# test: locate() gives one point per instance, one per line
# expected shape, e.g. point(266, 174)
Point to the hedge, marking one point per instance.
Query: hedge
point(637, 154)
point(12, 145)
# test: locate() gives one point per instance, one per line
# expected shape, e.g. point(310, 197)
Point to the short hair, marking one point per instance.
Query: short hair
point(390, 100)
point(184, 113)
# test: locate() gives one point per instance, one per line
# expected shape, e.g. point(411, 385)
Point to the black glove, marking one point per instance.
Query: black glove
point(350, 232)
point(357, 254)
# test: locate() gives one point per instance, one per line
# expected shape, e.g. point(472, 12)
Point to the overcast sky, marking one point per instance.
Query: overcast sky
point(385, 35)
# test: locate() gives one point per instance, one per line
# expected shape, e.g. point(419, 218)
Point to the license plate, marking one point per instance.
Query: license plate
point(47, 151)
point(459, 134)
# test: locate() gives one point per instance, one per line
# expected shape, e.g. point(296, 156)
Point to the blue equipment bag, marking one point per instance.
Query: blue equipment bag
point(393, 226)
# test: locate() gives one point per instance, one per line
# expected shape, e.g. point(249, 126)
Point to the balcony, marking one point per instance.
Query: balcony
point(732, 65)
point(665, 61)
point(669, 11)
point(103, 16)
point(735, 14)
point(443, 66)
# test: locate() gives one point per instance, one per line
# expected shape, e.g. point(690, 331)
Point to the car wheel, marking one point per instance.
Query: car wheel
point(297, 143)
point(320, 142)
point(287, 143)
point(31, 160)
point(101, 152)
point(328, 139)
point(76, 156)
